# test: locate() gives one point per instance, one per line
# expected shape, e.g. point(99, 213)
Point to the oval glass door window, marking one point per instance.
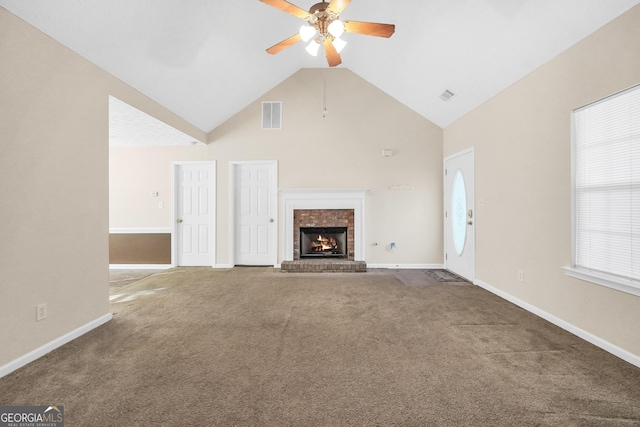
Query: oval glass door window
point(459, 212)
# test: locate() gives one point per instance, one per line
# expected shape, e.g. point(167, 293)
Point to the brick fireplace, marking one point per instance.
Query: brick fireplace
point(323, 208)
point(323, 219)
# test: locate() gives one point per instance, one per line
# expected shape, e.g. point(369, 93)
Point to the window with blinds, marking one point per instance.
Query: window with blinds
point(607, 187)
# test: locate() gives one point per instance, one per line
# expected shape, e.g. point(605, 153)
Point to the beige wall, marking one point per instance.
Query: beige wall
point(54, 177)
point(523, 160)
point(344, 151)
point(135, 173)
point(54, 186)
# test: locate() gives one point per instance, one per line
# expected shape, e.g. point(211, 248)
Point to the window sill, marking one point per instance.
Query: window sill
point(609, 281)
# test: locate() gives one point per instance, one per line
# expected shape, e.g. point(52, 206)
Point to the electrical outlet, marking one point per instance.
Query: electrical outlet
point(41, 312)
point(520, 276)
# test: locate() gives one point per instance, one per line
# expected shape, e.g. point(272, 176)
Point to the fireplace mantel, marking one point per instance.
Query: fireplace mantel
point(315, 198)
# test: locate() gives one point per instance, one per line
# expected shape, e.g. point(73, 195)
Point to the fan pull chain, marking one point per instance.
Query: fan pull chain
point(324, 95)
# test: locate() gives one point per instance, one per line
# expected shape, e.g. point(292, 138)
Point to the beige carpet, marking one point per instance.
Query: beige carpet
point(257, 347)
point(119, 278)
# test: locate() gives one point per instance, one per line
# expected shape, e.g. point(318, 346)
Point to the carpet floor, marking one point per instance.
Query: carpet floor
point(257, 347)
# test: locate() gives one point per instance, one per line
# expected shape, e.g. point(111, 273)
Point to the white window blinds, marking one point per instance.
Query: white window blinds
point(607, 185)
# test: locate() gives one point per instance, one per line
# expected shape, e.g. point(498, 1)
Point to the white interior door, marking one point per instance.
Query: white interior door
point(460, 256)
point(255, 213)
point(195, 213)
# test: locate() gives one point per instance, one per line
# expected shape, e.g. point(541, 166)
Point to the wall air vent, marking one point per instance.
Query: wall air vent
point(447, 95)
point(272, 115)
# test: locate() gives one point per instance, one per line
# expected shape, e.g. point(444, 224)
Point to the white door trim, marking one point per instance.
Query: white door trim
point(470, 150)
point(232, 208)
point(174, 208)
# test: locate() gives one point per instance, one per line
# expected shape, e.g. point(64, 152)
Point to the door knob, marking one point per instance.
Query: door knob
point(270, 219)
point(179, 221)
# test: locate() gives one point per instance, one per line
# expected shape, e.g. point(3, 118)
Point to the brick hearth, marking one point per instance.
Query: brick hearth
point(323, 266)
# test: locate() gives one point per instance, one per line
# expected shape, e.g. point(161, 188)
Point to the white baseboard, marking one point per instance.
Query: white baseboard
point(223, 266)
point(587, 336)
point(52, 345)
point(407, 266)
point(140, 266)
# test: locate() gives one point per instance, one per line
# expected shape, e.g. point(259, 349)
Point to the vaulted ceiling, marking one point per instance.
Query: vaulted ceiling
point(205, 60)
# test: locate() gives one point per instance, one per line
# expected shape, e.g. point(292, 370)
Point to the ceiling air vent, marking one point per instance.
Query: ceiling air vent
point(272, 115)
point(447, 95)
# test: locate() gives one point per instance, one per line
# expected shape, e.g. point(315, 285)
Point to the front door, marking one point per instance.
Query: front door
point(460, 257)
point(255, 212)
point(195, 213)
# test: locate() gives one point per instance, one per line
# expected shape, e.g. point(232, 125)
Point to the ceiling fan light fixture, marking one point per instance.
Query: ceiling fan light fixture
point(312, 48)
point(307, 32)
point(324, 27)
point(336, 28)
point(339, 44)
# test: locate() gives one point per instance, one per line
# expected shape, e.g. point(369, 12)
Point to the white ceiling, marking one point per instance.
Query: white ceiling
point(206, 60)
point(129, 127)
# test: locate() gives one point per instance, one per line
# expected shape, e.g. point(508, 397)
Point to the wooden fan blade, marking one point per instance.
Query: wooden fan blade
point(369, 28)
point(285, 6)
point(333, 57)
point(337, 6)
point(284, 44)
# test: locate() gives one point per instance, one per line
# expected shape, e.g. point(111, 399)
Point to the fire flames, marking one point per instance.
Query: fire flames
point(322, 244)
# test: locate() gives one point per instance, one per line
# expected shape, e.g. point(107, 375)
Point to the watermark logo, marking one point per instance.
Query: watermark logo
point(32, 416)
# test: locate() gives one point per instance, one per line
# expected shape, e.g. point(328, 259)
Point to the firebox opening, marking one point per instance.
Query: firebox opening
point(323, 242)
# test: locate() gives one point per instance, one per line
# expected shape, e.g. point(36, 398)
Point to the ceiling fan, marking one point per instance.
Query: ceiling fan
point(324, 27)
